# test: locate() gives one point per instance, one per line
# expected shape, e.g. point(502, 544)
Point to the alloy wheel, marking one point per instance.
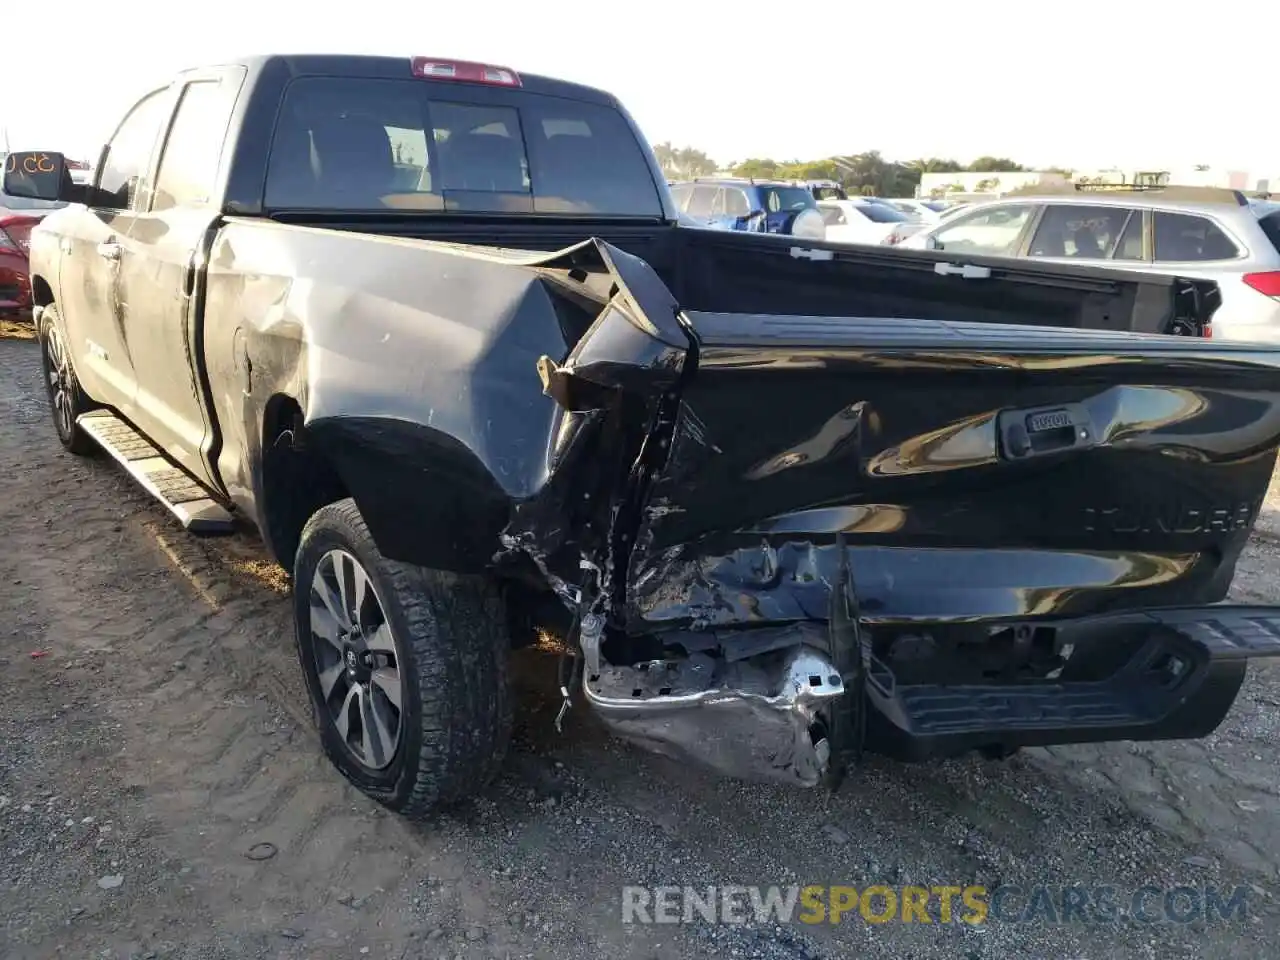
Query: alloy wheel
point(356, 661)
point(57, 370)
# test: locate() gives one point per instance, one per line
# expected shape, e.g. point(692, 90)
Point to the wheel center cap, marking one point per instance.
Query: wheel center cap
point(358, 661)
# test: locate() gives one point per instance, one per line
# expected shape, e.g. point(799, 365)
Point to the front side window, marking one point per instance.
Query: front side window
point(360, 144)
point(1080, 232)
point(128, 160)
point(189, 164)
point(993, 231)
point(1184, 237)
point(832, 216)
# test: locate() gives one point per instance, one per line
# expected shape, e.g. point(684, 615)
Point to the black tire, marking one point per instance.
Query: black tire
point(451, 648)
point(66, 400)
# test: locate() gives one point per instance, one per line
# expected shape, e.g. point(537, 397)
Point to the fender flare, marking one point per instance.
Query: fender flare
point(426, 498)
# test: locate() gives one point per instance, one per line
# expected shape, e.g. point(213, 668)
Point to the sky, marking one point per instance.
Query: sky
point(1086, 84)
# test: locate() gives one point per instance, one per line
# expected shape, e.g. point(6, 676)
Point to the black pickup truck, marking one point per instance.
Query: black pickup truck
point(433, 328)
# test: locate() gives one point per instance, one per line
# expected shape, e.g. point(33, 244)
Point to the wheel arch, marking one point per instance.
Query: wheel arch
point(296, 480)
point(425, 498)
point(41, 291)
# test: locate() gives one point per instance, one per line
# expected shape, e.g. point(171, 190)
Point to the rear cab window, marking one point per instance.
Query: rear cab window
point(360, 144)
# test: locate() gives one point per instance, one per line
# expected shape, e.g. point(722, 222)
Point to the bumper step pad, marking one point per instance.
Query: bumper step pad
point(1227, 632)
point(1179, 684)
point(184, 497)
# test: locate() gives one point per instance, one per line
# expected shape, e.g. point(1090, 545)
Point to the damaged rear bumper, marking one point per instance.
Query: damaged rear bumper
point(754, 720)
point(794, 716)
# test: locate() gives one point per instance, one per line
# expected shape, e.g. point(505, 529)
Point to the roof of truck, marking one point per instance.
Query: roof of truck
point(400, 68)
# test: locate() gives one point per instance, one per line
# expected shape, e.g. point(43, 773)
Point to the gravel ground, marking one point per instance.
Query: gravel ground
point(162, 795)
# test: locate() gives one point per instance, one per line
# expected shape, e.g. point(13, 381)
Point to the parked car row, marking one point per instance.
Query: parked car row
point(1206, 233)
point(756, 206)
point(788, 207)
point(17, 216)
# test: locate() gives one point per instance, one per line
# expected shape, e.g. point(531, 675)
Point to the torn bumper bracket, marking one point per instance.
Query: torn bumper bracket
point(793, 713)
point(851, 656)
point(756, 719)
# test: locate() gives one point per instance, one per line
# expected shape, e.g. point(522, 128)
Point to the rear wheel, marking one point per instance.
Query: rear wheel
point(406, 667)
point(66, 400)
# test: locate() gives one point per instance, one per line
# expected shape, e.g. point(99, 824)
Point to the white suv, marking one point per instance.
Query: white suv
point(1193, 232)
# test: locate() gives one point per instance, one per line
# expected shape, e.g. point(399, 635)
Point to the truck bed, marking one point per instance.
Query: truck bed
point(734, 272)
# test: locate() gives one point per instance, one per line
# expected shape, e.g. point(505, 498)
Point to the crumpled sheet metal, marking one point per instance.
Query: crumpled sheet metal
point(747, 719)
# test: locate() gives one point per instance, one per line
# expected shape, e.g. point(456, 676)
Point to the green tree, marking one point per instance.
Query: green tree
point(994, 165)
point(757, 167)
point(683, 163)
point(934, 165)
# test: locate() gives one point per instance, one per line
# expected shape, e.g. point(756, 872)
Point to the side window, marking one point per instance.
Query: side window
point(833, 216)
point(681, 193)
point(1079, 231)
point(189, 164)
point(124, 171)
point(993, 231)
point(1182, 237)
point(735, 202)
point(701, 201)
point(1270, 223)
point(1130, 245)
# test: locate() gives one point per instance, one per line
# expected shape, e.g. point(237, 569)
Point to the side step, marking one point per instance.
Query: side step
point(171, 485)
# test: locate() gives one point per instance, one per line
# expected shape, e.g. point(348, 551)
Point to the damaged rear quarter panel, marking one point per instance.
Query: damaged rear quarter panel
point(414, 365)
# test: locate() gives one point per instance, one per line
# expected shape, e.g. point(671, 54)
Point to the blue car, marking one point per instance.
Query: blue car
point(756, 206)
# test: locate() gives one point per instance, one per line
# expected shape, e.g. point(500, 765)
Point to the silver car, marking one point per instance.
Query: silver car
point(1191, 231)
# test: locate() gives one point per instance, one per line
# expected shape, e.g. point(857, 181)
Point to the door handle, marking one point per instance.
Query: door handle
point(109, 250)
point(969, 271)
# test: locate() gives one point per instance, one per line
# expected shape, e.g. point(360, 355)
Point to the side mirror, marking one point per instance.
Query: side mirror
point(931, 243)
point(36, 175)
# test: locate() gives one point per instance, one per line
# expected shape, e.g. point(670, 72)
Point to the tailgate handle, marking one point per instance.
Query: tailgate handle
point(808, 253)
point(1034, 432)
point(969, 271)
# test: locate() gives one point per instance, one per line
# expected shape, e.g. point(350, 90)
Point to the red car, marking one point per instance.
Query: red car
point(17, 216)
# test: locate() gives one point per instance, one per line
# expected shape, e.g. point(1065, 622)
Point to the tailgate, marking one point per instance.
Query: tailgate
point(751, 273)
point(975, 472)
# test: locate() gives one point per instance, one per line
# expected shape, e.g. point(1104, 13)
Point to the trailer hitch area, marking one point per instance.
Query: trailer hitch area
point(756, 711)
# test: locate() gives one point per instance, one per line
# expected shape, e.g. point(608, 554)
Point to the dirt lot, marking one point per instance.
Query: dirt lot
point(153, 731)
